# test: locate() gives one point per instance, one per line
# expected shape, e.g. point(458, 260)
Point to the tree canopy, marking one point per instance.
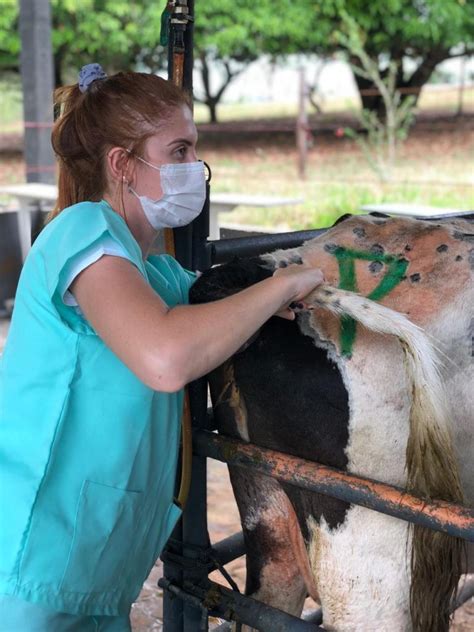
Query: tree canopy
point(120, 34)
point(416, 35)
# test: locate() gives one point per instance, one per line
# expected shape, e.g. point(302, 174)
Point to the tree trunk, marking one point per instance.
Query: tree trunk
point(414, 85)
point(211, 100)
point(369, 97)
point(212, 105)
point(368, 92)
point(58, 61)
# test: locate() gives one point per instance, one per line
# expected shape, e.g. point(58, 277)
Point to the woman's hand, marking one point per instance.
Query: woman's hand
point(302, 280)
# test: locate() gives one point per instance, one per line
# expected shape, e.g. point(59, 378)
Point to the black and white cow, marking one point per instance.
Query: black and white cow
point(329, 390)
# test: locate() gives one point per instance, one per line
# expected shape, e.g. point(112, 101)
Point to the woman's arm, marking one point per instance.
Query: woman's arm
point(167, 348)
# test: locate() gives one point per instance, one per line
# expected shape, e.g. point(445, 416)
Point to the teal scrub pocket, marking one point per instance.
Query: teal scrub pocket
point(17, 615)
point(106, 517)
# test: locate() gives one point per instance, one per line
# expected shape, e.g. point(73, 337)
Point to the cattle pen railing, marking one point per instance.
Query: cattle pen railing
point(189, 596)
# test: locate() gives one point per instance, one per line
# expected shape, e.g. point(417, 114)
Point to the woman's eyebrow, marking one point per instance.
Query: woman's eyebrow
point(183, 141)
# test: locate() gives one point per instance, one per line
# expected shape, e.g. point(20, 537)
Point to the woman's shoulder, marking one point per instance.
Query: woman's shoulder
point(86, 216)
point(82, 224)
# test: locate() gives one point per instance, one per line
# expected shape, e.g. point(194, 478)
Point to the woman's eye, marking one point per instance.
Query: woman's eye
point(181, 152)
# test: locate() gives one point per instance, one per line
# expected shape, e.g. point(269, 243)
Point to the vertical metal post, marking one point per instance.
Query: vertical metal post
point(195, 533)
point(302, 127)
point(173, 606)
point(36, 61)
point(189, 246)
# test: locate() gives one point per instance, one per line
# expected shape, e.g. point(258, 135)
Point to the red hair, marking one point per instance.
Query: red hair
point(123, 110)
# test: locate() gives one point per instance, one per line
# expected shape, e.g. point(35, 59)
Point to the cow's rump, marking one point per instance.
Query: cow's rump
point(330, 390)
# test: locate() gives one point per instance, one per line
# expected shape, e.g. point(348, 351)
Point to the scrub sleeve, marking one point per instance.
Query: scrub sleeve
point(87, 452)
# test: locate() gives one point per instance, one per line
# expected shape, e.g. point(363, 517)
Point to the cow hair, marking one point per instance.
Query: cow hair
point(234, 276)
point(432, 473)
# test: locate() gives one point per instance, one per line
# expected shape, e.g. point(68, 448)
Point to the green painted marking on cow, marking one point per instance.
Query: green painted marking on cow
point(346, 257)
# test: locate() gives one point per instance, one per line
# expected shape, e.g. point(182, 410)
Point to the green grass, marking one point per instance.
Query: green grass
point(324, 203)
point(11, 105)
point(429, 172)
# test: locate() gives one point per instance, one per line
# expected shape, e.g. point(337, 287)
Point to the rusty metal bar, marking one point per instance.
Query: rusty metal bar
point(449, 518)
point(229, 605)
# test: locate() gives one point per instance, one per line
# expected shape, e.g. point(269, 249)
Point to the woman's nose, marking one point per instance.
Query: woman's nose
point(192, 155)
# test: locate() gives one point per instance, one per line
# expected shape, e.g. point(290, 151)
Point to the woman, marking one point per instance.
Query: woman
point(101, 344)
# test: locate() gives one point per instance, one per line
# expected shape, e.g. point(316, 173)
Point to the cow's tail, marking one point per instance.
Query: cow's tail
point(436, 559)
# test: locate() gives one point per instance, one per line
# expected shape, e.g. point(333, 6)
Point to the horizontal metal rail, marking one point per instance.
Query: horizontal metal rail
point(230, 605)
point(229, 549)
point(449, 518)
point(222, 250)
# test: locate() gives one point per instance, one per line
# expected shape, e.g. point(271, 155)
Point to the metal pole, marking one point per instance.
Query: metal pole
point(195, 531)
point(302, 127)
point(36, 60)
point(455, 520)
point(225, 249)
point(228, 604)
point(179, 616)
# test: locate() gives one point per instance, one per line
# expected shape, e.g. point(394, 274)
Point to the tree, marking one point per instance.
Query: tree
point(123, 34)
point(120, 34)
point(382, 134)
point(228, 36)
point(414, 35)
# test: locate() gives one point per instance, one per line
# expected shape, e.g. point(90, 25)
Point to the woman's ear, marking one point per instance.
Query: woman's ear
point(119, 165)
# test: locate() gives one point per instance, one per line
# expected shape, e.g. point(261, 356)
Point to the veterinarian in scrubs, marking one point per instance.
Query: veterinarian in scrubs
point(101, 344)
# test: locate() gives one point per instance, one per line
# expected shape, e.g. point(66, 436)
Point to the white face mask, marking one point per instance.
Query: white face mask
point(184, 192)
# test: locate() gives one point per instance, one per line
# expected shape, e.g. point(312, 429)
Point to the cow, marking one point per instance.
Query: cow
point(390, 399)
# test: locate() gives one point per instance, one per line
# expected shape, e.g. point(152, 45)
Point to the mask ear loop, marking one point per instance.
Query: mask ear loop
point(208, 172)
point(124, 181)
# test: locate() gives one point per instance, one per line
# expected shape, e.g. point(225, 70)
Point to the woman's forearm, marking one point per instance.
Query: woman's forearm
point(203, 336)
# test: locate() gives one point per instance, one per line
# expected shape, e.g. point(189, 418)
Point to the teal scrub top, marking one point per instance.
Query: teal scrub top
point(87, 451)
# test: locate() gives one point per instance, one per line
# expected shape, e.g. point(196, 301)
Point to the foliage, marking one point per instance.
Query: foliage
point(9, 40)
point(416, 35)
point(229, 34)
point(384, 132)
point(120, 34)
